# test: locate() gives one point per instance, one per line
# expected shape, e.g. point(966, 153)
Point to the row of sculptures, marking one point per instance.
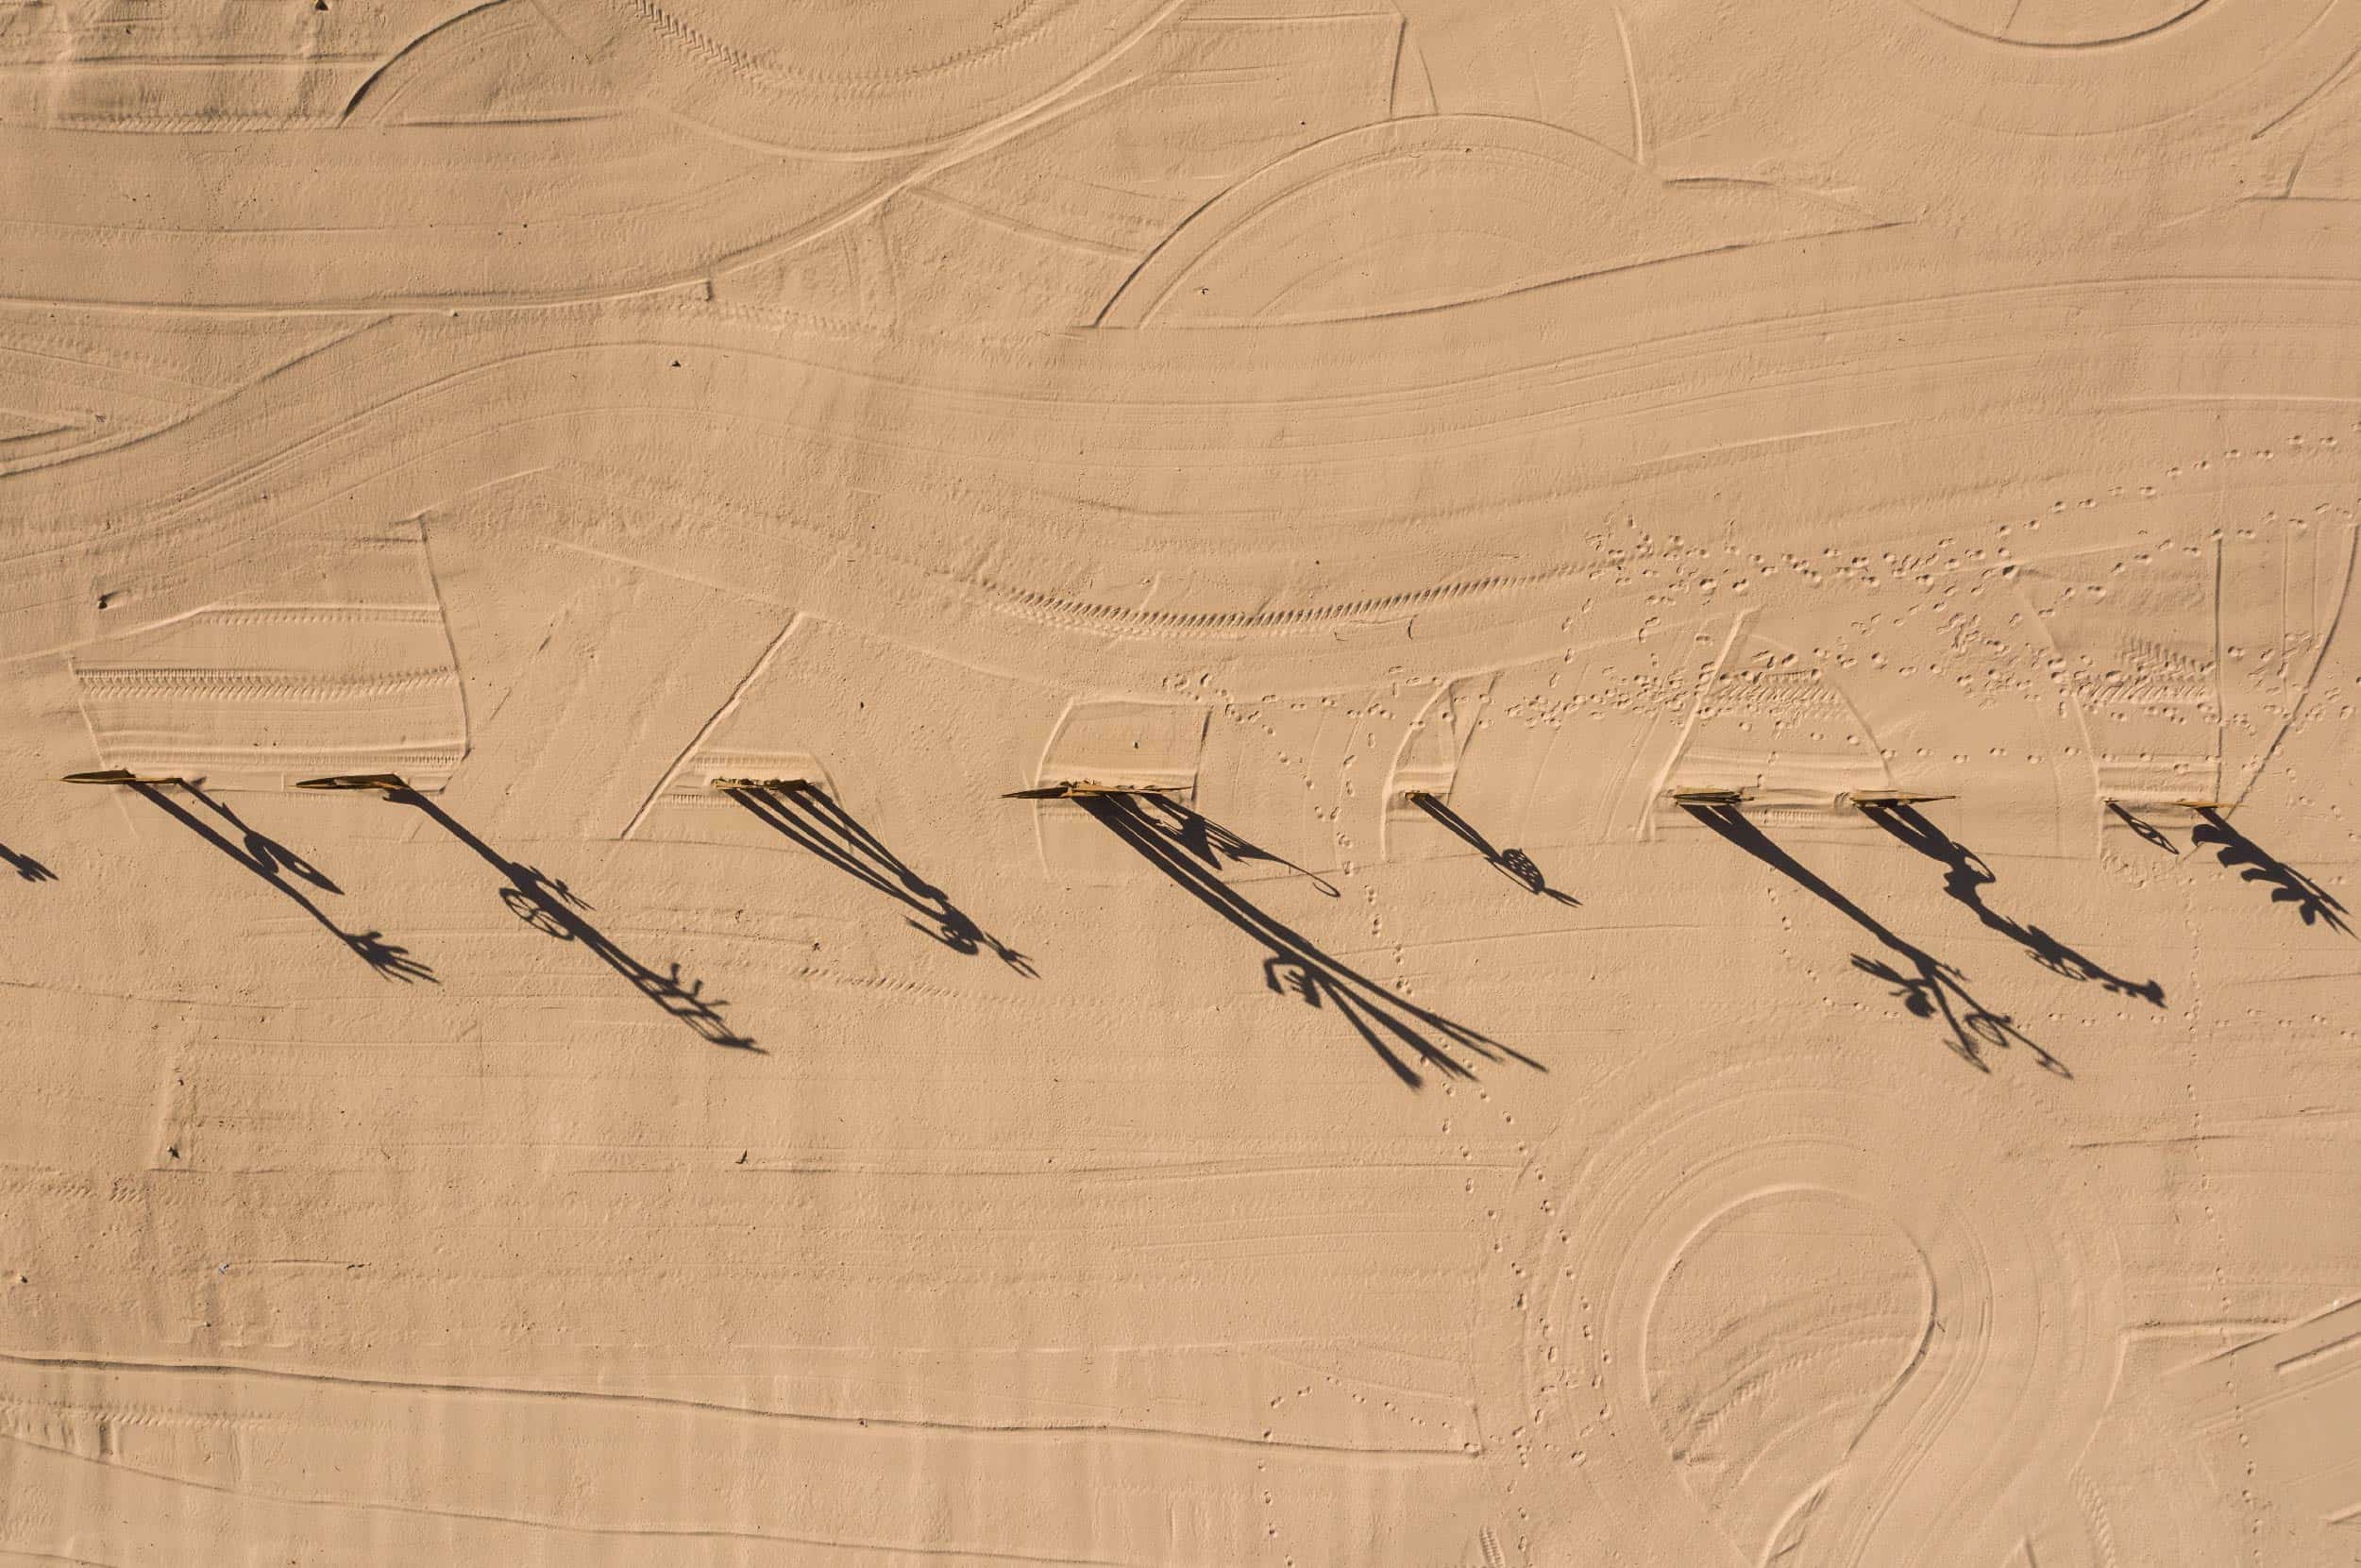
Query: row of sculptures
point(1191, 851)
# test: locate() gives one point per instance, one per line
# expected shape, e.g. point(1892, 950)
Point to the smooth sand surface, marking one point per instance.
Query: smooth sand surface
point(1737, 614)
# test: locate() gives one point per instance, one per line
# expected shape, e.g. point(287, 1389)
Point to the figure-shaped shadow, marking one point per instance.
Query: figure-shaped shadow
point(1190, 850)
point(260, 854)
point(810, 816)
point(275, 863)
point(1927, 986)
point(26, 867)
point(1513, 864)
point(553, 909)
point(1964, 878)
point(2313, 904)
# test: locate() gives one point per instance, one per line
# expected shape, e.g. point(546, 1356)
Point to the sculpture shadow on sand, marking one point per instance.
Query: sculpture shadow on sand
point(1927, 986)
point(276, 864)
point(549, 907)
point(1191, 850)
point(810, 817)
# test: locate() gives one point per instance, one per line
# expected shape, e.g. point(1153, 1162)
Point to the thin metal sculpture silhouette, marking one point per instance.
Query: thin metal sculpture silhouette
point(2314, 904)
point(1964, 878)
point(1927, 986)
point(269, 859)
point(1513, 864)
point(549, 907)
point(809, 816)
point(2148, 832)
point(1191, 851)
point(26, 867)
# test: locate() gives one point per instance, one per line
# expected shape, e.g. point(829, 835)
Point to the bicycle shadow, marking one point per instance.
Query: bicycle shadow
point(552, 908)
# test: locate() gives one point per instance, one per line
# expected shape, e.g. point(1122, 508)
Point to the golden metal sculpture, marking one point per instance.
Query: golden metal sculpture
point(387, 781)
point(1711, 797)
point(1074, 787)
point(125, 776)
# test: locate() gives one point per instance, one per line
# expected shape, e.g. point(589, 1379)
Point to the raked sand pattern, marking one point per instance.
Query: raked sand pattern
point(1707, 650)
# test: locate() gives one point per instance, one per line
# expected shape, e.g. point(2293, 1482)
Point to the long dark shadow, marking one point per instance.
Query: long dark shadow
point(1964, 878)
point(553, 909)
point(1927, 986)
point(260, 854)
point(2146, 830)
point(2314, 904)
point(1210, 843)
point(1513, 864)
point(809, 816)
point(269, 859)
point(26, 867)
point(1190, 849)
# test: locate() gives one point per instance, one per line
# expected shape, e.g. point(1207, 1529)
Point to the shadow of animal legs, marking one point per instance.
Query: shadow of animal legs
point(370, 947)
point(1168, 837)
point(551, 908)
point(1928, 986)
point(26, 867)
point(1513, 864)
point(810, 817)
point(1964, 878)
point(2314, 904)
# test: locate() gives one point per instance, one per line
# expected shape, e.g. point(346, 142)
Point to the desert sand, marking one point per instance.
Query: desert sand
point(1711, 927)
